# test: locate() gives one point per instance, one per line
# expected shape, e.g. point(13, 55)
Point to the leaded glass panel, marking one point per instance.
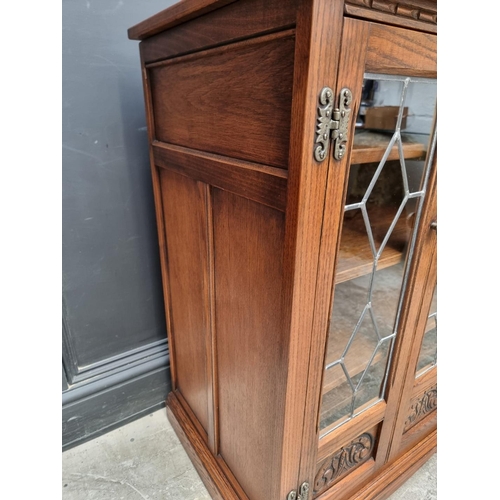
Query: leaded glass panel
point(390, 161)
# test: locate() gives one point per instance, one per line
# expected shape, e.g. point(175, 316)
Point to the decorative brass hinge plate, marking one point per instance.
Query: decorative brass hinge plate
point(302, 495)
point(332, 123)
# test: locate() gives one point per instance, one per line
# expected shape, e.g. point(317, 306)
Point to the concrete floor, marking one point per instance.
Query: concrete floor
point(145, 460)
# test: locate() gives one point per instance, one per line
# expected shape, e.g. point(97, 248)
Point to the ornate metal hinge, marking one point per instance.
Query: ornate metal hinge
point(332, 123)
point(302, 495)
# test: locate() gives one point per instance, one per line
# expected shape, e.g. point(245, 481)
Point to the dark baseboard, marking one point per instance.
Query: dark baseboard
point(110, 402)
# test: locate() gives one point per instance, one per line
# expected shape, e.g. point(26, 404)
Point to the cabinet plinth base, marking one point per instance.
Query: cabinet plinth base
point(381, 486)
point(200, 455)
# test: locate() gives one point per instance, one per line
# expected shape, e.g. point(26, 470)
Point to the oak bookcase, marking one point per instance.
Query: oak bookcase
point(293, 156)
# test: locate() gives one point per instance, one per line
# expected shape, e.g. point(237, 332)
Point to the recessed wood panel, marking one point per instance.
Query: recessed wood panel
point(184, 207)
point(248, 241)
point(232, 22)
point(234, 100)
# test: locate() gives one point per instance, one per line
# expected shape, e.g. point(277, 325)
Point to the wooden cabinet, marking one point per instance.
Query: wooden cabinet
point(293, 155)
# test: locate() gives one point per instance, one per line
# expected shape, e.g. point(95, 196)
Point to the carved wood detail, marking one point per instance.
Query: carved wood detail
point(421, 406)
point(348, 457)
point(423, 10)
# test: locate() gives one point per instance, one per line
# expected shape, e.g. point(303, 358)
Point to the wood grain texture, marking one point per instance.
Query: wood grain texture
point(318, 33)
point(160, 223)
point(232, 479)
point(212, 400)
point(415, 434)
point(370, 147)
point(205, 463)
point(415, 14)
point(234, 22)
point(180, 12)
point(350, 74)
point(192, 416)
point(397, 51)
point(424, 382)
point(348, 485)
point(248, 249)
point(184, 205)
point(233, 100)
point(256, 264)
point(266, 185)
point(344, 460)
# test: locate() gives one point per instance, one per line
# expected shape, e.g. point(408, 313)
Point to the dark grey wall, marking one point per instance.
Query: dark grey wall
point(115, 355)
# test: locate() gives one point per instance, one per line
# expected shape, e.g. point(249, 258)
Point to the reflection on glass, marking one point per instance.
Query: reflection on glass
point(386, 184)
point(428, 351)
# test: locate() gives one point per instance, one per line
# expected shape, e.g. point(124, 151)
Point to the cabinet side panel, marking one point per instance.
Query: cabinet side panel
point(184, 204)
point(248, 240)
point(234, 100)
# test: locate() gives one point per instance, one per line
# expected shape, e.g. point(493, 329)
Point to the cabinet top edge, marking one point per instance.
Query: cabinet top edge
point(180, 12)
point(419, 14)
point(415, 14)
point(393, 5)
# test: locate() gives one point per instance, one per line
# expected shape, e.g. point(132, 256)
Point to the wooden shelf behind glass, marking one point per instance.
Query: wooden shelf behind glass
point(349, 300)
point(336, 390)
point(362, 351)
point(347, 309)
point(355, 255)
point(370, 147)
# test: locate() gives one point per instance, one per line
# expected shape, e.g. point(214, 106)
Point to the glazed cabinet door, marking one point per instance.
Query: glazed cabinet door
point(375, 254)
point(415, 404)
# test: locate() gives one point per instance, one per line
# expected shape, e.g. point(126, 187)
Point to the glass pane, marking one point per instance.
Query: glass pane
point(386, 186)
point(428, 350)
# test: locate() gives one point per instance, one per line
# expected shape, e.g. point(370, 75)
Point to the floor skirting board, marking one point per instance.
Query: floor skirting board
point(99, 406)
